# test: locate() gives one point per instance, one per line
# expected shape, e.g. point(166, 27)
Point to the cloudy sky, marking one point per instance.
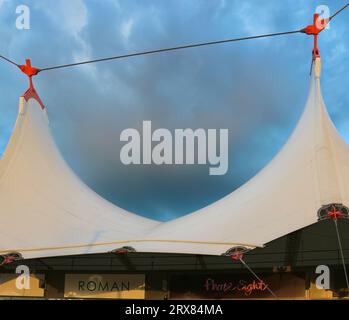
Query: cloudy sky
point(256, 89)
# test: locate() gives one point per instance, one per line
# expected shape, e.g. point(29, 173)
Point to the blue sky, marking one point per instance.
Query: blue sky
point(255, 89)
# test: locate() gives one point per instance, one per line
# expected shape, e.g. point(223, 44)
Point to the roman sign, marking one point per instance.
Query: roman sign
point(105, 286)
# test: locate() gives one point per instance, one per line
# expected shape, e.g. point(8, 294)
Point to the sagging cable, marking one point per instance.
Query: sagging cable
point(237, 254)
point(142, 53)
point(9, 61)
point(258, 278)
point(339, 11)
point(341, 252)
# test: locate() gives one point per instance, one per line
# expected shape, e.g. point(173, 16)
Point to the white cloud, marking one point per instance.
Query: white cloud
point(2, 2)
point(67, 15)
point(250, 21)
point(338, 51)
point(126, 28)
point(116, 3)
point(71, 17)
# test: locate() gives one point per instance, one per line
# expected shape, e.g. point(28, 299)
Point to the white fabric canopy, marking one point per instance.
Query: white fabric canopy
point(47, 211)
point(311, 170)
point(44, 205)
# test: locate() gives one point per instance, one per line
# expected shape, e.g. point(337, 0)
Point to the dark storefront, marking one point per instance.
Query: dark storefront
point(287, 266)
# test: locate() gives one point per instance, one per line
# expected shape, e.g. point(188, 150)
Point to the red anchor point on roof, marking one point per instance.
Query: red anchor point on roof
point(30, 72)
point(318, 26)
point(236, 256)
point(28, 69)
point(335, 213)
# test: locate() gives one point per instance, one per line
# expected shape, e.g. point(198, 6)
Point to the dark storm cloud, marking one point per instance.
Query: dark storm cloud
point(255, 89)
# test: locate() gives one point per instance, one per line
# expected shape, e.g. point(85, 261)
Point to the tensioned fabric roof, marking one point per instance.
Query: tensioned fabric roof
point(47, 211)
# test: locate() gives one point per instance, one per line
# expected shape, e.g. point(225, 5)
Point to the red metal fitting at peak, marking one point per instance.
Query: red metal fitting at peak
point(30, 72)
point(28, 69)
point(317, 26)
point(314, 30)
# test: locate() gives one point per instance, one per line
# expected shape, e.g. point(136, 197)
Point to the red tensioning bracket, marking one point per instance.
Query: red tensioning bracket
point(8, 260)
point(236, 256)
point(30, 72)
point(121, 251)
point(28, 69)
point(335, 214)
point(314, 30)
